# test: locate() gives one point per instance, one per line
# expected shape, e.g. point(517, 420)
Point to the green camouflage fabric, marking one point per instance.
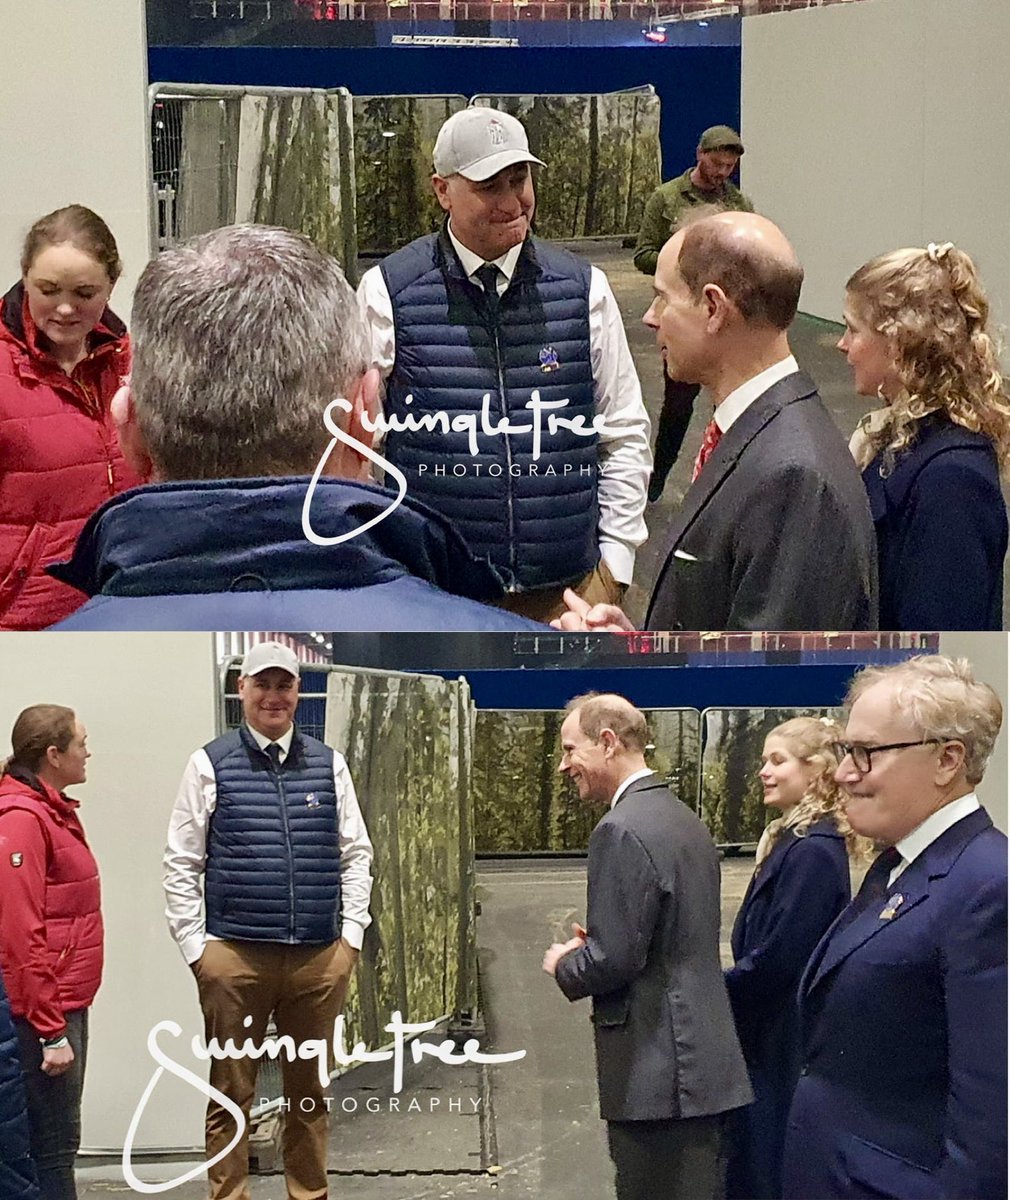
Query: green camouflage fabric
point(666, 206)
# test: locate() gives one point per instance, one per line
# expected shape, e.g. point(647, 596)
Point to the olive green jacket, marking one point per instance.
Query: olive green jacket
point(666, 206)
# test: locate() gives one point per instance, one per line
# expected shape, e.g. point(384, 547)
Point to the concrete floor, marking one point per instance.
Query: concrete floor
point(526, 1129)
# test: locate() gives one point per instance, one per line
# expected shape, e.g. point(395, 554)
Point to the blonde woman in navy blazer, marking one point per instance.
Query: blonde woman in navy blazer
point(800, 885)
point(917, 336)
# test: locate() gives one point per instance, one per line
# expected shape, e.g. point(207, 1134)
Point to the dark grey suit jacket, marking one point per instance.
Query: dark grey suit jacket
point(665, 1041)
point(776, 532)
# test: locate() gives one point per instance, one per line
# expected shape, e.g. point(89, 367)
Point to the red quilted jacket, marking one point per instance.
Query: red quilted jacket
point(50, 906)
point(59, 458)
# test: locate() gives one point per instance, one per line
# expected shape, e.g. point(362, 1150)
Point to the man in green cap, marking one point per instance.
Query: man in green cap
point(707, 183)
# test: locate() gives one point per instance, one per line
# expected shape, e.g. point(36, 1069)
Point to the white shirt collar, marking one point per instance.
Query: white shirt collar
point(739, 400)
point(284, 742)
point(473, 262)
point(626, 783)
point(922, 836)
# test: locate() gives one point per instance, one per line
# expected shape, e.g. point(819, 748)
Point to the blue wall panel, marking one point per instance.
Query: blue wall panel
point(664, 687)
point(698, 85)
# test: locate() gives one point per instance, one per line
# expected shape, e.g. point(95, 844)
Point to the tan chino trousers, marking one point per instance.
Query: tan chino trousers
point(304, 988)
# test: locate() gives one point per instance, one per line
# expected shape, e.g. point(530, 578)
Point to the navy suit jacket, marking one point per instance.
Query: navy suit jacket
point(904, 1025)
point(775, 533)
point(665, 1043)
point(941, 525)
point(791, 901)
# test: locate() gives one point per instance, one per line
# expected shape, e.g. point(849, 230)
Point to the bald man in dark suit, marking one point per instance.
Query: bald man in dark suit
point(668, 1061)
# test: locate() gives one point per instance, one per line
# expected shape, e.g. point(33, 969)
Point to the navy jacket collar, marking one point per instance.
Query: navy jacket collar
point(246, 535)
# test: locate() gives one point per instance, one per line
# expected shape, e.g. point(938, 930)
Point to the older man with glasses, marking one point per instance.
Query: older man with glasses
point(903, 1091)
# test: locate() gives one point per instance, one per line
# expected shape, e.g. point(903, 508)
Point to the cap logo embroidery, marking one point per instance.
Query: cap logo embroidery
point(549, 359)
point(496, 132)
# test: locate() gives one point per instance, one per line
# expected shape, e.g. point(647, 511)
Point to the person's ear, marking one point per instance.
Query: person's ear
point(609, 741)
point(951, 762)
point(717, 307)
point(441, 187)
point(131, 440)
point(346, 461)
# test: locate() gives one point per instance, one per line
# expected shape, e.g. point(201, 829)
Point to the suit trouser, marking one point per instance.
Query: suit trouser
point(304, 988)
point(674, 418)
point(678, 1159)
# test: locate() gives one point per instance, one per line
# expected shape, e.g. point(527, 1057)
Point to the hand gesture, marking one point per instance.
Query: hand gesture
point(596, 618)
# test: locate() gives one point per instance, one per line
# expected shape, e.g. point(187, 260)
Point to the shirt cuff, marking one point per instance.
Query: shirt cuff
point(192, 947)
point(353, 934)
point(620, 559)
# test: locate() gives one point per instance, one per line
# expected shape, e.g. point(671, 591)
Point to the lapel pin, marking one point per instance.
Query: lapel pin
point(549, 359)
point(893, 904)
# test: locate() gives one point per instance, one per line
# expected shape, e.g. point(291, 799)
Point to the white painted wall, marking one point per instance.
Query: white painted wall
point(988, 654)
point(147, 701)
point(74, 124)
point(881, 124)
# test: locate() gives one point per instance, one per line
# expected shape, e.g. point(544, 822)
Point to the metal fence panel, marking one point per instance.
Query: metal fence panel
point(521, 802)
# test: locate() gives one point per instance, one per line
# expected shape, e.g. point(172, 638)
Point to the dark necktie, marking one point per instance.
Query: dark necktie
point(487, 277)
point(874, 887)
point(274, 754)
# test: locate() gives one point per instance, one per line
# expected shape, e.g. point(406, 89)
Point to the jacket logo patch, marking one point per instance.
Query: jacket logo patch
point(311, 801)
point(17, 859)
point(549, 359)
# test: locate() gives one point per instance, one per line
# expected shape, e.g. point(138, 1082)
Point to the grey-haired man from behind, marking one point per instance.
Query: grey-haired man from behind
point(481, 319)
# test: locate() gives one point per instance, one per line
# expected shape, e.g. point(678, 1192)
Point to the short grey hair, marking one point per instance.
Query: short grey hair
point(241, 338)
point(943, 700)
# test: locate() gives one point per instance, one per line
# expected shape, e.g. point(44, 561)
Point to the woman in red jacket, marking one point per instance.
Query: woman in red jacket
point(63, 355)
point(50, 931)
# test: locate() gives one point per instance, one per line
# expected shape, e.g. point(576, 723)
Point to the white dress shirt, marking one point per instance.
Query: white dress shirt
point(624, 457)
point(739, 400)
point(186, 854)
point(623, 786)
point(913, 844)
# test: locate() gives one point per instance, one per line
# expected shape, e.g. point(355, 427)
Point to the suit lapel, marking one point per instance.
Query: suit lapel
point(910, 889)
point(725, 457)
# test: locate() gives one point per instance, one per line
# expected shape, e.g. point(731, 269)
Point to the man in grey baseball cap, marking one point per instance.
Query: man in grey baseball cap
point(267, 876)
point(481, 322)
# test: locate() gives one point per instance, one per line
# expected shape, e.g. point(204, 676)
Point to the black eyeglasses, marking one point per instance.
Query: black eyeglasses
point(862, 756)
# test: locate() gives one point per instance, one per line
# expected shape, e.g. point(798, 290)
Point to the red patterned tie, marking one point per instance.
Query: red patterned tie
point(708, 443)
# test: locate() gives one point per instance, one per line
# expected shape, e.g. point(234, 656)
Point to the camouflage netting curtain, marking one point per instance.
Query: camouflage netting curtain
point(288, 168)
point(521, 803)
point(394, 137)
point(281, 159)
point(602, 154)
point(732, 799)
point(408, 741)
point(207, 158)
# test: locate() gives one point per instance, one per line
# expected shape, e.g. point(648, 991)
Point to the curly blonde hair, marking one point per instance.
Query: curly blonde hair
point(932, 307)
point(811, 740)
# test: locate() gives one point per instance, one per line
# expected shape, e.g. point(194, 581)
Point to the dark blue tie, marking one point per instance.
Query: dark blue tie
point(274, 754)
point(873, 888)
point(487, 276)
